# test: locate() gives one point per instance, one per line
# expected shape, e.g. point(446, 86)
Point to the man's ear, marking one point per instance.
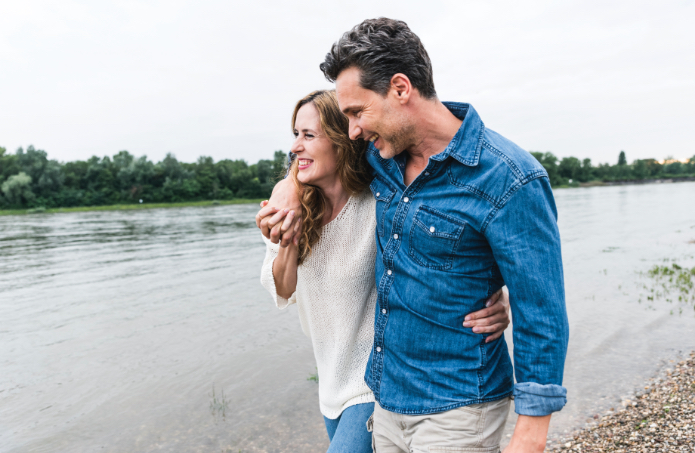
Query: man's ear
point(401, 87)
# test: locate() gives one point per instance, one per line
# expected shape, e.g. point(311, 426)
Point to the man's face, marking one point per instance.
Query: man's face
point(381, 120)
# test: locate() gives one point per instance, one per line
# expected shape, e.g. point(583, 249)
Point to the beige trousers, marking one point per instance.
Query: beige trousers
point(472, 429)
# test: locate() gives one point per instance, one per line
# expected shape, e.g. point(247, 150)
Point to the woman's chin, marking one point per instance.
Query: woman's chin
point(304, 179)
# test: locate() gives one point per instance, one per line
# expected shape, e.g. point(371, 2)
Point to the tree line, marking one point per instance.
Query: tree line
point(28, 179)
point(570, 171)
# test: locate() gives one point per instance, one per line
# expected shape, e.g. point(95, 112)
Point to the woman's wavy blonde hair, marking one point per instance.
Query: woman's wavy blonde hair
point(352, 170)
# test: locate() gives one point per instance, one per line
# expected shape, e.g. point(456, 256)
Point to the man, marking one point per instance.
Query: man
point(460, 211)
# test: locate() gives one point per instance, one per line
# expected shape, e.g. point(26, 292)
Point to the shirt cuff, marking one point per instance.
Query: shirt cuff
point(538, 400)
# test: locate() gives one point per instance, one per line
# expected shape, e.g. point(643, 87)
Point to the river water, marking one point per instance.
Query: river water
point(149, 330)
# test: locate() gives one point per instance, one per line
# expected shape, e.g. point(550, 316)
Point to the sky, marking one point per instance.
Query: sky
point(218, 78)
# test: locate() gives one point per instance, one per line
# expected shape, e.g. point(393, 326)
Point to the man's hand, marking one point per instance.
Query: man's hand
point(530, 434)
point(494, 319)
point(274, 215)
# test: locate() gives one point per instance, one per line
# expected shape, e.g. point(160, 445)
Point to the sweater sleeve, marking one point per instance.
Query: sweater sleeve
point(267, 278)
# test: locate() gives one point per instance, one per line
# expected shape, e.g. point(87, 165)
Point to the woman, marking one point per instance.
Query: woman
point(328, 268)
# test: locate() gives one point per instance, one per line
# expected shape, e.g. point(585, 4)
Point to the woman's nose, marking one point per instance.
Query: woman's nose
point(297, 146)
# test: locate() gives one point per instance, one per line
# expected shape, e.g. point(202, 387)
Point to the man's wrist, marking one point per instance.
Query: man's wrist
point(530, 434)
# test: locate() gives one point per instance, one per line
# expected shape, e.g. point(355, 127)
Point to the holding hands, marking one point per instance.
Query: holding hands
point(281, 225)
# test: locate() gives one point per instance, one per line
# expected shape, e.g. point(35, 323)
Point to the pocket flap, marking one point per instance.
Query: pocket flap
point(437, 224)
point(381, 190)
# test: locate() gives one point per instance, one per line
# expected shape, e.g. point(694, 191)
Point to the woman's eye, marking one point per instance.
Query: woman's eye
point(309, 136)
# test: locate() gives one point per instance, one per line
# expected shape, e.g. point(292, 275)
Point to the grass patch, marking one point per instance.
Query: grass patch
point(314, 377)
point(672, 283)
point(218, 403)
point(126, 207)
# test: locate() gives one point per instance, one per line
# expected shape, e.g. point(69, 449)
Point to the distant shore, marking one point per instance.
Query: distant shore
point(631, 182)
point(185, 204)
point(127, 207)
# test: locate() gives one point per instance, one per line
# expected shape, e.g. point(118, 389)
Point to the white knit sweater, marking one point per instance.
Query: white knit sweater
point(336, 296)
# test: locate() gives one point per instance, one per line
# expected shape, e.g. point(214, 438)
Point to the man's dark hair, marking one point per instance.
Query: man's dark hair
point(380, 48)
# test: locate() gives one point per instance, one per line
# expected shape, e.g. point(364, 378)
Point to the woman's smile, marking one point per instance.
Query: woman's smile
point(304, 163)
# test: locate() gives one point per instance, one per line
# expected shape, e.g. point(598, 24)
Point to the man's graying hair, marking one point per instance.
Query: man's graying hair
point(380, 48)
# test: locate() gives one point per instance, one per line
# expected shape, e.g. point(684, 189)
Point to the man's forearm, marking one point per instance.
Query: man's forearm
point(530, 435)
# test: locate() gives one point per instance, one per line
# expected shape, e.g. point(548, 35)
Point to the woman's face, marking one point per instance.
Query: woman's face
point(316, 156)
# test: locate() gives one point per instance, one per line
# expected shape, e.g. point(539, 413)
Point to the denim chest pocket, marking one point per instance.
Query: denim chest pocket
point(383, 193)
point(434, 237)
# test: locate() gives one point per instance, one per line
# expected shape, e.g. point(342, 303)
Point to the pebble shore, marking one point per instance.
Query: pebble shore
point(660, 418)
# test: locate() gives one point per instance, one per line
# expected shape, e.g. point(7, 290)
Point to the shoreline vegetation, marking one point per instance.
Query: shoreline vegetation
point(30, 182)
point(130, 207)
point(234, 201)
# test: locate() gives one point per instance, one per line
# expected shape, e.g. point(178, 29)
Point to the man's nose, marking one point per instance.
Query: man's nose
point(354, 130)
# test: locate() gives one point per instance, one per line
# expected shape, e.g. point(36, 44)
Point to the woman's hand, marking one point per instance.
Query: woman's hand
point(276, 223)
point(270, 218)
point(494, 319)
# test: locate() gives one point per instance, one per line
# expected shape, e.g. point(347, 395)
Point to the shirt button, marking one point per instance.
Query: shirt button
point(406, 199)
point(389, 272)
point(431, 229)
point(378, 194)
point(427, 173)
point(378, 349)
point(383, 310)
point(395, 236)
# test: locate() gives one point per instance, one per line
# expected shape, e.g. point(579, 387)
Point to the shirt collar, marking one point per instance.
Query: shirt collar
point(466, 144)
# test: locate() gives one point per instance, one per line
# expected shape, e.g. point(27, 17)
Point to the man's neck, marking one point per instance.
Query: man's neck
point(435, 127)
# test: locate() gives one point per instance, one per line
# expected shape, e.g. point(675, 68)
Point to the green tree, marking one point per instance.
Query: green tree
point(206, 176)
point(17, 189)
point(587, 171)
point(549, 162)
point(135, 177)
point(639, 169)
point(654, 168)
point(570, 168)
point(674, 168)
point(622, 160)
point(8, 165)
point(279, 164)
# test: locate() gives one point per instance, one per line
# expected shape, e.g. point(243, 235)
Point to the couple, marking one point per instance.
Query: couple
point(387, 280)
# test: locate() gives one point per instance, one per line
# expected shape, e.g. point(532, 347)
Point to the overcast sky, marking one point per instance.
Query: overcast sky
point(219, 78)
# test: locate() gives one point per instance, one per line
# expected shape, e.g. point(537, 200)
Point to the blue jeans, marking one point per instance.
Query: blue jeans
point(348, 433)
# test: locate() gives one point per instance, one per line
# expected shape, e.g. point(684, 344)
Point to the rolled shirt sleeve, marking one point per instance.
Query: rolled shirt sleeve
point(525, 242)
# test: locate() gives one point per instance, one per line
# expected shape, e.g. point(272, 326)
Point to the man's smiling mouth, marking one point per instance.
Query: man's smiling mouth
point(373, 138)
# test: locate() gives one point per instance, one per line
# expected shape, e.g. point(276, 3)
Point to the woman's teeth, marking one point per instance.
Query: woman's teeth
point(304, 163)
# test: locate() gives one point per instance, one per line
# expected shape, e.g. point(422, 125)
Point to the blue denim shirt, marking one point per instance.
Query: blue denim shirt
point(481, 215)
